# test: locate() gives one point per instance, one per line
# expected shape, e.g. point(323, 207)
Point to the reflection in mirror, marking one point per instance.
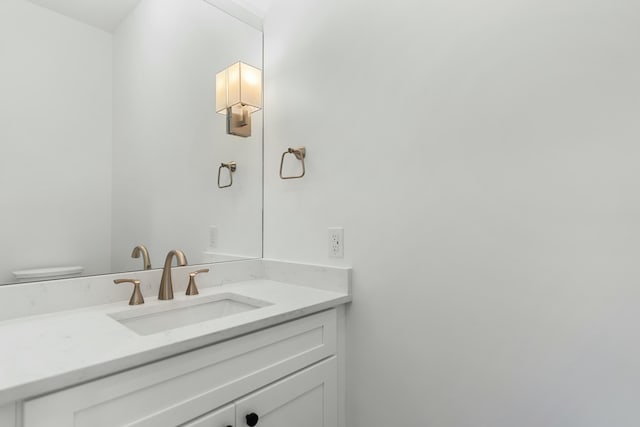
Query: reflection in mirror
point(109, 138)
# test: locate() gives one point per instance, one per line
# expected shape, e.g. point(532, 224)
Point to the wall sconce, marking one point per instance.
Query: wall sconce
point(238, 94)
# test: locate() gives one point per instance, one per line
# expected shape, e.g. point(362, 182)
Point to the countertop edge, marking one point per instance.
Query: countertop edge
point(86, 374)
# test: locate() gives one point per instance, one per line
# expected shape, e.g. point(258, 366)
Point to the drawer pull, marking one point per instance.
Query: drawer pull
point(252, 419)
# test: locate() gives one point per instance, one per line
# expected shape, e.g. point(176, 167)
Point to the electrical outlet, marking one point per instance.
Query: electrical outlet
point(336, 242)
point(213, 236)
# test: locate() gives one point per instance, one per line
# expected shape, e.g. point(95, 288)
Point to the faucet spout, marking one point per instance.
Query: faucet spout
point(166, 285)
point(142, 249)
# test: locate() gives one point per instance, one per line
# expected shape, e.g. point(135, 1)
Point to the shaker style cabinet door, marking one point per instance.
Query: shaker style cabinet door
point(308, 398)
point(224, 417)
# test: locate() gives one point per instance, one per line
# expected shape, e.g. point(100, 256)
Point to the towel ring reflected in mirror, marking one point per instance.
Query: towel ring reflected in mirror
point(231, 167)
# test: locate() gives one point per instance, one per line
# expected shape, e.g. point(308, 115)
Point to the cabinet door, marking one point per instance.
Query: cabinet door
point(306, 399)
point(223, 417)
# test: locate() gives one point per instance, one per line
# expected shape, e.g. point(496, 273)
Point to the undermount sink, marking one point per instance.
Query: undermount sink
point(176, 314)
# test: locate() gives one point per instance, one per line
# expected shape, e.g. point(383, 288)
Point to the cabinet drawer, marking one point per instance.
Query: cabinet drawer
point(176, 390)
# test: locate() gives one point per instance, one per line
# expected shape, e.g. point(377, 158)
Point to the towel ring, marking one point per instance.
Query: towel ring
point(300, 153)
point(232, 168)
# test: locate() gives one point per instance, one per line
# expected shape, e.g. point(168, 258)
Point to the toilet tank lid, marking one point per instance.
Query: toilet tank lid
point(49, 273)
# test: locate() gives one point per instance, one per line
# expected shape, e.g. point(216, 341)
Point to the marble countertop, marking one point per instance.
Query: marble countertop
point(46, 352)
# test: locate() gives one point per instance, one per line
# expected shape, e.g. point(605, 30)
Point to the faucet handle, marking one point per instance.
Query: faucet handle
point(136, 296)
point(192, 289)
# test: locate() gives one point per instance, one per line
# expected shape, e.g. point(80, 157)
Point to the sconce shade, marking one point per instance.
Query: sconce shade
point(238, 94)
point(237, 87)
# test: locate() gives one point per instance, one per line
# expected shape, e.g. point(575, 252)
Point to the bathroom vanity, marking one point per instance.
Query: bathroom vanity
point(261, 344)
point(269, 355)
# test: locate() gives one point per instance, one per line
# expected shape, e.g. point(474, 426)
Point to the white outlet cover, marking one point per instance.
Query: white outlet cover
point(336, 242)
point(213, 237)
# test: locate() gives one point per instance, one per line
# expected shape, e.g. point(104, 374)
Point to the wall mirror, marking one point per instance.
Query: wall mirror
point(109, 136)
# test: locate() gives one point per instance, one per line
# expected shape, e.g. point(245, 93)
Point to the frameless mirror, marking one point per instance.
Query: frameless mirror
point(109, 136)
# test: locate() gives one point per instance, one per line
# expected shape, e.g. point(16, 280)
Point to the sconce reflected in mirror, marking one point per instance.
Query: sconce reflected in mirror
point(238, 94)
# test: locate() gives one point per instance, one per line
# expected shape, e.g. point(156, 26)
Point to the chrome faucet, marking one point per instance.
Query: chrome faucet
point(166, 286)
point(142, 249)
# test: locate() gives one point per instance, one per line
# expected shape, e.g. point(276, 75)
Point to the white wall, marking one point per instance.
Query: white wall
point(483, 159)
point(55, 141)
point(169, 141)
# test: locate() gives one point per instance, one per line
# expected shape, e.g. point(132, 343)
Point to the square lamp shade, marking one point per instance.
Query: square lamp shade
point(238, 94)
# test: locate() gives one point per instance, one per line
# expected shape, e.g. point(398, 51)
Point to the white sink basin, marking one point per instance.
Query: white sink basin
point(176, 314)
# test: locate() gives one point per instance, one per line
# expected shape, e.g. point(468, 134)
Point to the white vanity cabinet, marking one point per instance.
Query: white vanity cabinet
point(286, 375)
point(223, 417)
point(8, 415)
point(307, 398)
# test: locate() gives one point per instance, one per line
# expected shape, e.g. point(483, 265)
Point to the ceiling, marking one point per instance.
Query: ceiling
point(258, 7)
point(104, 14)
point(107, 14)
